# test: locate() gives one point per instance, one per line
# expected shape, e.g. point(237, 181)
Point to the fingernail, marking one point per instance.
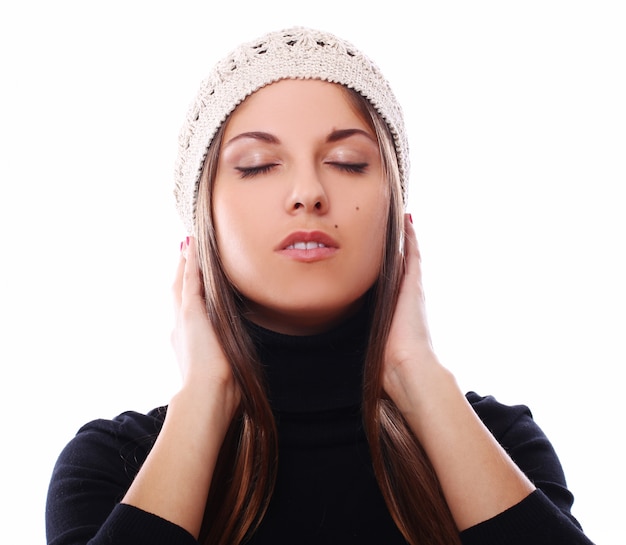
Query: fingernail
point(410, 218)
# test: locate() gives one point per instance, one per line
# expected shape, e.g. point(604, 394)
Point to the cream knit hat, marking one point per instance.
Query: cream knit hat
point(296, 53)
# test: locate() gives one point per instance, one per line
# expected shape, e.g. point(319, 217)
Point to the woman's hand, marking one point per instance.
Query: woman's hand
point(175, 479)
point(477, 477)
point(200, 357)
point(409, 350)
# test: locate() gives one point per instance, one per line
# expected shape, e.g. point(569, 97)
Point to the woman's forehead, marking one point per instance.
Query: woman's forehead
point(304, 105)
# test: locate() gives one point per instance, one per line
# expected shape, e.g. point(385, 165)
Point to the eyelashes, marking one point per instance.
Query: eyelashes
point(249, 172)
point(350, 168)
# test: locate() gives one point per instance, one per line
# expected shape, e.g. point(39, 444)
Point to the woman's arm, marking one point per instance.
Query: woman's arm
point(160, 469)
point(478, 478)
point(174, 481)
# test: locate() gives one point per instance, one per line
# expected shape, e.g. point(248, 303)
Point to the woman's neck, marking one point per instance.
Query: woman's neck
point(304, 322)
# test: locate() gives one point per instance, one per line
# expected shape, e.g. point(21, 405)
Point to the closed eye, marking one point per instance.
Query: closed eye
point(352, 168)
point(249, 172)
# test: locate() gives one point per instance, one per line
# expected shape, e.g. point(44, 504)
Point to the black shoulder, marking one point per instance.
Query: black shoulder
point(498, 418)
point(128, 437)
point(96, 468)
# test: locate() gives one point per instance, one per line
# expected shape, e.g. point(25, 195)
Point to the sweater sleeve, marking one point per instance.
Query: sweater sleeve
point(91, 476)
point(544, 517)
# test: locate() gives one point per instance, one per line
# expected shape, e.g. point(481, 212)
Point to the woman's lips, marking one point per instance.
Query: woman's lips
point(308, 246)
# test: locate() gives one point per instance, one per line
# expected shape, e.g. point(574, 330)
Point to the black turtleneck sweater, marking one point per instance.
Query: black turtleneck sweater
point(325, 492)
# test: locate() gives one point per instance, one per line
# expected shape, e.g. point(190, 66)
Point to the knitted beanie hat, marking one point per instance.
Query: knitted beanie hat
point(296, 53)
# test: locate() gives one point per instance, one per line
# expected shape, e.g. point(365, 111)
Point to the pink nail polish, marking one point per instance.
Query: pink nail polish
point(411, 218)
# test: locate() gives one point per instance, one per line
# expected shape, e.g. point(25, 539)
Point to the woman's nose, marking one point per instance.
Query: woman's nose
point(307, 194)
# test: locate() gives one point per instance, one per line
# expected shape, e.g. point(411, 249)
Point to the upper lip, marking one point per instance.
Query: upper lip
point(308, 236)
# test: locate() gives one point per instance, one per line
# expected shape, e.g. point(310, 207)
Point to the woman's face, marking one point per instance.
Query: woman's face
point(300, 205)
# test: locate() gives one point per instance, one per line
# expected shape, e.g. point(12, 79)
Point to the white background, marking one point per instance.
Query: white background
point(517, 122)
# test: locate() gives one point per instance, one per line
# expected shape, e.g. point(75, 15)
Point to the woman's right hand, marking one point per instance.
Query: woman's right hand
point(201, 359)
point(174, 481)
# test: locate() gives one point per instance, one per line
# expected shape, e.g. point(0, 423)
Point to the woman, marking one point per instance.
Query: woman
point(313, 408)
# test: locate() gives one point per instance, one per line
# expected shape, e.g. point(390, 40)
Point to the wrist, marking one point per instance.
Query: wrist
point(206, 402)
point(419, 382)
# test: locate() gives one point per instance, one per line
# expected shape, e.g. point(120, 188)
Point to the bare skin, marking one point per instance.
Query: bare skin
point(298, 163)
point(479, 480)
point(174, 481)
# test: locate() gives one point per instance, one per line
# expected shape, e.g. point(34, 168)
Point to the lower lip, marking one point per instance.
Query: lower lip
point(309, 256)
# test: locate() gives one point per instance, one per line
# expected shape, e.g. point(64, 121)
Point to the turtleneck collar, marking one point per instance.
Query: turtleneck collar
point(314, 373)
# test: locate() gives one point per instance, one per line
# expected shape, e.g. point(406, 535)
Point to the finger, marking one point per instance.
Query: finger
point(411, 248)
point(177, 285)
point(192, 287)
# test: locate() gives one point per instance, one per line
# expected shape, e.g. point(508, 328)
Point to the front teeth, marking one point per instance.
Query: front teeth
point(305, 246)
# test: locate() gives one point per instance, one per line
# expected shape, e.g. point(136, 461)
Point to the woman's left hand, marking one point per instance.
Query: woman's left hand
point(477, 477)
point(409, 349)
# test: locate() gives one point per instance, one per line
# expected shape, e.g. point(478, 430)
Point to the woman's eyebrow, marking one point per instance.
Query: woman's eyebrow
point(334, 136)
point(342, 134)
point(255, 135)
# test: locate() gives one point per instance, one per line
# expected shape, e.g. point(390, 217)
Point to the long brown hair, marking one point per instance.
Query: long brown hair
point(246, 470)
